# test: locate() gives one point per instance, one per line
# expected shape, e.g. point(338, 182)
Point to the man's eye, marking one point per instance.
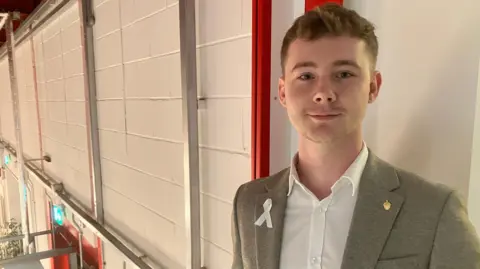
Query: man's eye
point(307, 76)
point(343, 75)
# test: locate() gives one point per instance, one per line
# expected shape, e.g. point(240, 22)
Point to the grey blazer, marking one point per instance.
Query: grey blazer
point(426, 226)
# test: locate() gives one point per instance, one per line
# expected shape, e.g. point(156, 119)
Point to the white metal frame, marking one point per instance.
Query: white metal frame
point(88, 21)
point(188, 55)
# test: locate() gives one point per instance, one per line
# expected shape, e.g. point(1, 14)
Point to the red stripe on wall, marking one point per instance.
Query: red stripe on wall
point(310, 4)
point(261, 51)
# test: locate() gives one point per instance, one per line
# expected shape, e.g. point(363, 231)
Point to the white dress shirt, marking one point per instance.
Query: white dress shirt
point(315, 231)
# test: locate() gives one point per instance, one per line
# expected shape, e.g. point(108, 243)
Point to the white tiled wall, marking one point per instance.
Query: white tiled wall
point(7, 126)
point(139, 98)
point(60, 82)
point(137, 54)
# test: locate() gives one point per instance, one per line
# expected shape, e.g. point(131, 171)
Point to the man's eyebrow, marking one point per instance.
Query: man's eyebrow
point(346, 62)
point(304, 64)
point(336, 63)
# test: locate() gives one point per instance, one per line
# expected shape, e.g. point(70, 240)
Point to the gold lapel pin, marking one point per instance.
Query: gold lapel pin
point(387, 205)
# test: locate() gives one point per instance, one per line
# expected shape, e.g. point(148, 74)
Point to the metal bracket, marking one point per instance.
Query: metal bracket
point(57, 187)
point(16, 16)
point(46, 158)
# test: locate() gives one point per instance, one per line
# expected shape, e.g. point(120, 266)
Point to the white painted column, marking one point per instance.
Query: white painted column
point(474, 186)
point(283, 137)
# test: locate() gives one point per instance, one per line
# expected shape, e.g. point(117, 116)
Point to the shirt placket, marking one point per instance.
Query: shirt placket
point(317, 232)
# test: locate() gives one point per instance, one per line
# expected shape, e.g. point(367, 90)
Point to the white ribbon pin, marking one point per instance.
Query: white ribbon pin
point(267, 206)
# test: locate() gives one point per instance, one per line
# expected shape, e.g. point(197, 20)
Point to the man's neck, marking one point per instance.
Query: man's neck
point(320, 165)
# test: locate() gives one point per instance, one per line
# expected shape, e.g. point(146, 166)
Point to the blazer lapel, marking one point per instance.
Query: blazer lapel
point(374, 215)
point(269, 240)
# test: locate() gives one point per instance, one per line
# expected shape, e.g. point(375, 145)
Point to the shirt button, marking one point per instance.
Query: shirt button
point(316, 260)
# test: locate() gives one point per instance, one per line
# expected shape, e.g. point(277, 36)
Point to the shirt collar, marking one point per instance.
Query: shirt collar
point(352, 174)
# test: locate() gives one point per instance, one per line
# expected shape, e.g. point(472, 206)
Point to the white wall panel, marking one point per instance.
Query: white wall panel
point(110, 80)
point(139, 94)
point(226, 81)
point(107, 51)
point(111, 115)
point(140, 118)
point(136, 40)
point(214, 24)
point(424, 117)
point(71, 40)
point(27, 102)
point(61, 100)
point(165, 32)
point(107, 17)
point(140, 83)
point(6, 109)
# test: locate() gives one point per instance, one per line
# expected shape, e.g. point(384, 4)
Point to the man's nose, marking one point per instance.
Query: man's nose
point(324, 93)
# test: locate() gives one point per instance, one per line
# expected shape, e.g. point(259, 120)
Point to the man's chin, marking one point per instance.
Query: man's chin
point(324, 137)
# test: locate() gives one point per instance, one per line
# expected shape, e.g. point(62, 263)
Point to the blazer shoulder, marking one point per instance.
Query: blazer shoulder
point(258, 185)
point(419, 188)
point(414, 180)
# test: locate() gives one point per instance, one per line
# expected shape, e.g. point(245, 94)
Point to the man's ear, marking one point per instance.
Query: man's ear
point(375, 85)
point(281, 91)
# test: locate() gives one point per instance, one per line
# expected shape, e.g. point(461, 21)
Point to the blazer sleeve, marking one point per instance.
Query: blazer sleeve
point(237, 250)
point(456, 244)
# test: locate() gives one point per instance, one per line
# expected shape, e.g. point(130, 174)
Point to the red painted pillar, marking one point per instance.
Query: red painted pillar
point(261, 51)
point(310, 4)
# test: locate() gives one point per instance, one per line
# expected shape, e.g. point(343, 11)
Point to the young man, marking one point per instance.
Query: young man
point(338, 205)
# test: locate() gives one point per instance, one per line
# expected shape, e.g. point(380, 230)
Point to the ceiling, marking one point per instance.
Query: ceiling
point(25, 7)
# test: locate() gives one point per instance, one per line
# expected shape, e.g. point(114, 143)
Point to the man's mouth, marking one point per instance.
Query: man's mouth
point(325, 116)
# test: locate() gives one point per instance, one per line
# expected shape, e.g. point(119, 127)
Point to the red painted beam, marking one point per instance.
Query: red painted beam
point(23, 6)
point(310, 4)
point(261, 51)
point(3, 37)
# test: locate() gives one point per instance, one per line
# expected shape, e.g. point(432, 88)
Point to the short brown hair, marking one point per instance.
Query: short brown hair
point(331, 20)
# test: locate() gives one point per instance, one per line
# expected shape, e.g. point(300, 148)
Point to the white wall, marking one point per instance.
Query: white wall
point(139, 100)
point(7, 127)
point(27, 101)
point(423, 120)
point(58, 56)
point(31, 143)
point(139, 106)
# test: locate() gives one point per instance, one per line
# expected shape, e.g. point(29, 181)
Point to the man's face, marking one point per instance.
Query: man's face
point(327, 85)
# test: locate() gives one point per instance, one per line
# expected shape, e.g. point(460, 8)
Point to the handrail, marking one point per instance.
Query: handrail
point(98, 229)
